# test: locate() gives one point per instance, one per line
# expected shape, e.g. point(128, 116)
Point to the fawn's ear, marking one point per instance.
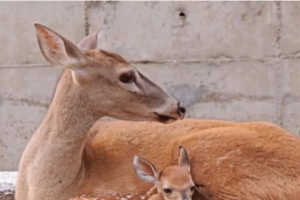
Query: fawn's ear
point(183, 158)
point(91, 40)
point(58, 50)
point(144, 169)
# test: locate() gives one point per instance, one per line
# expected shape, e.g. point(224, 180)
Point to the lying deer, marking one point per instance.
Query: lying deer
point(95, 83)
point(172, 183)
point(249, 161)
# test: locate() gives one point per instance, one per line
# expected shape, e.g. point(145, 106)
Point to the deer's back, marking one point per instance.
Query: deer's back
point(233, 159)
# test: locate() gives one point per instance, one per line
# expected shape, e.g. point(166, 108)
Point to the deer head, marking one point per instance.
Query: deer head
point(111, 86)
point(172, 183)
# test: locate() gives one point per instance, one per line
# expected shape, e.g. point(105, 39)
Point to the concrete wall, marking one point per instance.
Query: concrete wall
point(224, 60)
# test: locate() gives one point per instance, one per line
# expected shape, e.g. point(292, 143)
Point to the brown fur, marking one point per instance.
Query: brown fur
point(111, 59)
point(249, 161)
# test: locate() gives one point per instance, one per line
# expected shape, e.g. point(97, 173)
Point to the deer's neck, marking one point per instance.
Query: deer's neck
point(66, 123)
point(59, 142)
point(69, 117)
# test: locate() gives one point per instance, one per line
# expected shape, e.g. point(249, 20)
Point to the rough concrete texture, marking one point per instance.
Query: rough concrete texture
point(224, 60)
point(24, 97)
point(181, 30)
point(289, 29)
point(17, 34)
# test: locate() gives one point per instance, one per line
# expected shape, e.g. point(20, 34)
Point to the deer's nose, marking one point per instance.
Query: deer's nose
point(181, 110)
point(184, 196)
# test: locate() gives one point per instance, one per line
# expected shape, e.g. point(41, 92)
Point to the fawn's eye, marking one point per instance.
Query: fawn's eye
point(192, 188)
point(127, 77)
point(167, 191)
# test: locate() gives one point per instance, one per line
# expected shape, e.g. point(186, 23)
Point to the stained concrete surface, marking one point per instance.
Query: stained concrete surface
point(224, 60)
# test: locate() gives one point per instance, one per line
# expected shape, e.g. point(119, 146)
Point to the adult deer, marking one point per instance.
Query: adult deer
point(232, 161)
point(248, 161)
point(95, 83)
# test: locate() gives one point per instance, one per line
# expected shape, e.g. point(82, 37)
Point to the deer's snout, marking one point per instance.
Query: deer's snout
point(184, 196)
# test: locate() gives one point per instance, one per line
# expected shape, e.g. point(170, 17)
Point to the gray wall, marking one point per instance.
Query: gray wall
point(224, 60)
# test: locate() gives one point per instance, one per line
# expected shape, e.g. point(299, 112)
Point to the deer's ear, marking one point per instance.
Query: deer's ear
point(91, 40)
point(183, 158)
point(57, 49)
point(144, 169)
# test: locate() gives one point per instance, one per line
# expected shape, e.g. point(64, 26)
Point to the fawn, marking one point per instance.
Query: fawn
point(172, 183)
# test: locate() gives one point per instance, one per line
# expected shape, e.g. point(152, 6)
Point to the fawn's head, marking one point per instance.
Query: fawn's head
point(109, 84)
point(174, 182)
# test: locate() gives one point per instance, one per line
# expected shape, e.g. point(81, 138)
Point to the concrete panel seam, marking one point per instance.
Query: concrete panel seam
point(24, 66)
point(277, 51)
point(185, 61)
point(278, 25)
point(219, 60)
point(86, 19)
point(28, 102)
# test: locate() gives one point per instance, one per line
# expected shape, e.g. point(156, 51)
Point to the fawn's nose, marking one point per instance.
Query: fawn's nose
point(184, 196)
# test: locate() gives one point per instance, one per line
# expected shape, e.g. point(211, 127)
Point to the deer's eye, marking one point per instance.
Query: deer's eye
point(167, 191)
point(127, 77)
